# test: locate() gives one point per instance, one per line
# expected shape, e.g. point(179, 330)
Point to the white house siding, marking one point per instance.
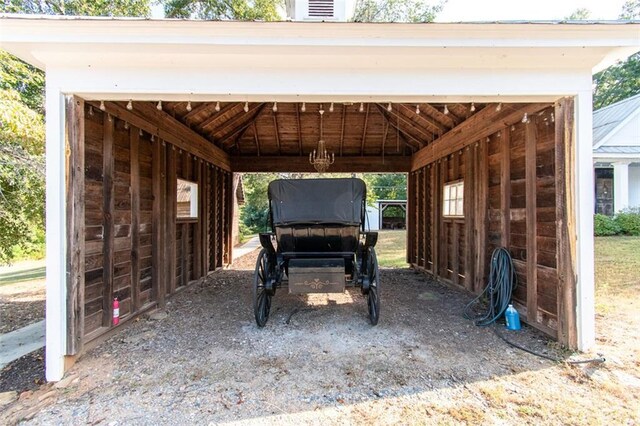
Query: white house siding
point(373, 218)
point(634, 185)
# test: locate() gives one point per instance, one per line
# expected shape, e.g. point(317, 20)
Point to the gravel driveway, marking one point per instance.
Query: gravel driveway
point(207, 362)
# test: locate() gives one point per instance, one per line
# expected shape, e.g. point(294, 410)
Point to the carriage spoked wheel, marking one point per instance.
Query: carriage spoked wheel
point(373, 295)
point(261, 296)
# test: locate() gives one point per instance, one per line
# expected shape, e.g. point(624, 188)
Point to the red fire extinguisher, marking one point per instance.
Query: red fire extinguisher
point(116, 311)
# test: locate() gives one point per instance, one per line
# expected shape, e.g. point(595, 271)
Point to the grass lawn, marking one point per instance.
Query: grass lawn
point(392, 249)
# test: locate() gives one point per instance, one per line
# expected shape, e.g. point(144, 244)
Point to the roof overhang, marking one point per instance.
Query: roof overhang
point(107, 42)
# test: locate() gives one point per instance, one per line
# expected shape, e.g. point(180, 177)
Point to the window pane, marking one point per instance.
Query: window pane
point(187, 199)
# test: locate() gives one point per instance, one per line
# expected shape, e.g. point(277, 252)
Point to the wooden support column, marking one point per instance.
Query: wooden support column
point(425, 216)
point(443, 165)
point(531, 204)
point(565, 181)
point(455, 243)
point(229, 236)
point(108, 208)
point(416, 223)
point(197, 227)
point(435, 210)
point(134, 143)
point(505, 187)
point(223, 219)
point(482, 191)
point(158, 267)
point(74, 180)
point(170, 219)
point(411, 201)
point(469, 217)
point(214, 213)
point(205, 192)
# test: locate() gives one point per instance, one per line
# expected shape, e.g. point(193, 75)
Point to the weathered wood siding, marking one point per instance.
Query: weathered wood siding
point(509, 201)
point(135, 249)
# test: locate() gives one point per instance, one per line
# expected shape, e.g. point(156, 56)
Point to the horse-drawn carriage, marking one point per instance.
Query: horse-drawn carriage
point(321, 243)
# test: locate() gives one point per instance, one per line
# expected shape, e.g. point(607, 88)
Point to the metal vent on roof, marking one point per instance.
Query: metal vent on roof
point(321, 8)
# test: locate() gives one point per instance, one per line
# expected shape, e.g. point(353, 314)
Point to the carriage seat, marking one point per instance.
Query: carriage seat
point(317, 238)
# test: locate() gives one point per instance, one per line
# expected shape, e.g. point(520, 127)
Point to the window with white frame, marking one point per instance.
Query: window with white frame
point(453, 199)
point(187, 198)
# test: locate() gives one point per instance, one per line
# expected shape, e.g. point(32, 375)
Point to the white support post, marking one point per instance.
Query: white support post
point(56, 234)
point(620, 185)
point(584, 184)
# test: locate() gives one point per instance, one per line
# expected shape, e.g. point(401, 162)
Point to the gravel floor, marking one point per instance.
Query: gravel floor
point(208, 362)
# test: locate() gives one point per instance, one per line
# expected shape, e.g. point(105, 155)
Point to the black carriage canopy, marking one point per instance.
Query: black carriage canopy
point(317, 201)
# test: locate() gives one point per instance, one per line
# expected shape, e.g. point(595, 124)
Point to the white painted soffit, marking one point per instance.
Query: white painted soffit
point(137, 43)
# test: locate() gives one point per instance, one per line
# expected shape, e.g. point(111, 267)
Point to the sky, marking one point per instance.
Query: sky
point(494, 10)
point(505, 10)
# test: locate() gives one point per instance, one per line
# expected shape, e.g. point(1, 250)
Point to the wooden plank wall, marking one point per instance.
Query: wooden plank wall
point(135, 249)
point(509, 201)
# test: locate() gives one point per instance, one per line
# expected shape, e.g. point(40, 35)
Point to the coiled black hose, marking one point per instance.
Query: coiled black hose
point(498, 292)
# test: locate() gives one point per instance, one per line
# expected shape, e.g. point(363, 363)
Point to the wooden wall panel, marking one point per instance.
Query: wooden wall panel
point(133, 246)
point(511, 200)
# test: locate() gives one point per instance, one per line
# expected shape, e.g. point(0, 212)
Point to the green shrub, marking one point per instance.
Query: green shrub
point(604, 225)
point(628, 221)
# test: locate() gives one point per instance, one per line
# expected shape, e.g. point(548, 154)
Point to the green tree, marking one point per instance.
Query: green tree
point(22, 126)
point(241, 10)
point(580, 14)
point(396, 10)
point(621, 80)
point(388, 186)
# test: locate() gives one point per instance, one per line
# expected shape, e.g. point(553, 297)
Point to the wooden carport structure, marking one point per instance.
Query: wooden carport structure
point(134, 105)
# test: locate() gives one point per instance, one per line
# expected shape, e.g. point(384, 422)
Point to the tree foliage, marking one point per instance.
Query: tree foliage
point(396, 10)
point(241, 10)
point(621, 80)
point(79, 7)
point(579, 14)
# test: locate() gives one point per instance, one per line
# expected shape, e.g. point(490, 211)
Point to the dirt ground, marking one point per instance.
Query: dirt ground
point(207, 362)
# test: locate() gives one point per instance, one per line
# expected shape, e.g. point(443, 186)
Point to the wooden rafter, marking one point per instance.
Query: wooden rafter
point(364, 130)
point(243, 118)
point(298, 164)
point(195, 111)
point(428, 137)
point(480, 125)
point(252, 115)
point(299, 129)
point(432, 123)
point(217, 115)
point(438, 115)
point(255, 137)
point(277, 131)
point(344, 116)
point(397, 128)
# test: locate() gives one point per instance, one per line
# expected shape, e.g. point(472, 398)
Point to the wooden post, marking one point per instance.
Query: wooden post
point(134, 141)
point(435, 209)
point(425, 217)
point(482, 190)
point(411, 201)
point(455, 243)
point(505, 187)
point(204, 192)
point(565, 161)
point(170, 220)
point(158, 271)
point(469, 217)
point(531, 222)
point(108, 210)
point(197, 227)
point(74, 181)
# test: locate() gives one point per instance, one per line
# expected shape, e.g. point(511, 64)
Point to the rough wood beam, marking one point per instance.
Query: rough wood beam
point(255, 137)
point(298, 164)
point(108, 207)
point(134, 149)
point(531, 220)
point(428, 137)
point(299, 129)
point(217, 115)
point(384, 136)
point(242, 127)
point(344, 116)
point(276, 131)
point(566, 227)
point(160, 124)
point(244, 118)
point(75, 206)
point(364, 130)
point(438, 115)
point(396, 126)
point(479, 126)
point(505, 187)
point(435, 126)
point(197, 110)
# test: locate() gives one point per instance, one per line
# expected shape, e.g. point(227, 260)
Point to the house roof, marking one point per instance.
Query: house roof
point(606, 120)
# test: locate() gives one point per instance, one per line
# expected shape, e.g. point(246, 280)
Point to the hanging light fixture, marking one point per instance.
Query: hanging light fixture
point(129, 105)
point(159, 106)
point(217, 108)
point(418, 109)
point(275, 106)
point(303, 108)
point(389, 107)
point(473, 107)
point(320, 158)
point(246, 107)
point(446, 110)
point(189, 106)
point(499, 107)
point(102, 107)
point(331, 107)
point(361, 109)
point(525, 119)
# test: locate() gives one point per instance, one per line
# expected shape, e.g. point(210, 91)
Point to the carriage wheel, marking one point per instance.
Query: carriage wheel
point(373, 296)
point(261, 297)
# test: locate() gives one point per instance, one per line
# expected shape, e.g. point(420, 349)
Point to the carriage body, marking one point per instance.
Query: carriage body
point(321, 245)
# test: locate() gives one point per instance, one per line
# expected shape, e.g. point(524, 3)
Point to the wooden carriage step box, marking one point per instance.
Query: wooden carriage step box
point(316, 276)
